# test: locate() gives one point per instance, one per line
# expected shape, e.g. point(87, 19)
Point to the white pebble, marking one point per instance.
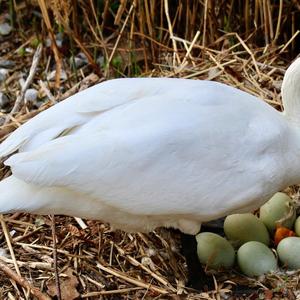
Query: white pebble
point(3, 74)
point(5, 63)
point(3, 252)
point(51, 76)
point(31, 95)
point(5, 29)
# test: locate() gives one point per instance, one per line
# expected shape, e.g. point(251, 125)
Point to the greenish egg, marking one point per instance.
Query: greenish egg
point(242, 228)
point(214, 251)
point(255, 259)
point(279, 210)
point(289, 252)
point(297, 226)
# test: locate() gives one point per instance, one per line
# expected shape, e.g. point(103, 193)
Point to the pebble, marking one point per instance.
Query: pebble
point(3, 252)
point(100, 60)
point(3, 101)
point(58, 40)
point(7, 64)
point(31, 95)
point(80, 60)
point(51, 76)
point(3, 74)
point(5, 29)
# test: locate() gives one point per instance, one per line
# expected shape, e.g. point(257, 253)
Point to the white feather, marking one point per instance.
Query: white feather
point(143, 153)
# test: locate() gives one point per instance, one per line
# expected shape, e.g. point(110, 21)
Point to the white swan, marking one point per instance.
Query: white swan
point(143, 153)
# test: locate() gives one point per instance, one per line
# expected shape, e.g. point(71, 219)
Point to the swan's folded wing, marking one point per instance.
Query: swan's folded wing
point(134, 171)
point(79, 109)
point(149, 173)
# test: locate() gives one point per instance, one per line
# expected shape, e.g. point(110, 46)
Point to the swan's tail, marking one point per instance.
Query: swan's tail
point(16, 195)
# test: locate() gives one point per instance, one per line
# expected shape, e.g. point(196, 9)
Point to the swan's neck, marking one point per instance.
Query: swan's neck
point(290, 92)
point(292, 155)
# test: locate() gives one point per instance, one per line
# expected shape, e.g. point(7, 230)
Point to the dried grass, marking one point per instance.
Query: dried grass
point(190, 40)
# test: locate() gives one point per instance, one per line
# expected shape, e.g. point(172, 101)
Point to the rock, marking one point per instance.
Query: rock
point(5, 29)
point(3, 74)
point(59, 37)
point(100, 60)
point(79, 60)
point(51, 76)
point(31, 95)
point(58, 40)
point(3, 252)
point(3, 100)
point(7, 63)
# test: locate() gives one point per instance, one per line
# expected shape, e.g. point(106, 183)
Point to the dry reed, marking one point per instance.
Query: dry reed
point(246, 44)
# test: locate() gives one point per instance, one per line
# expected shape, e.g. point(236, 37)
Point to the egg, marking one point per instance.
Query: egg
point(297, 226)
point(214, 251)
point(279, 210)
point(288, 252)
point(255, 258)
point(242, 228)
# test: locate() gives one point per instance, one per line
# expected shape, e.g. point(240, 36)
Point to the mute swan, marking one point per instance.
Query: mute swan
point(148, 152)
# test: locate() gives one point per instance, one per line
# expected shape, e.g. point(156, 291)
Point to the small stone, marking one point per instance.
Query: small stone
point(3, 101)
point(48, 42)
point(100, 60)
point(51, 76)
point(31, 95)
point(3, 74)
point(3, 252)
point(79, 60)
point(5, 29)
point(59, 37)
point(7, 64)
point(58, 40)
point(277, 84)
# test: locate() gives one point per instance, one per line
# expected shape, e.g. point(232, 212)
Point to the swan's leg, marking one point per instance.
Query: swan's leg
point(197, 278)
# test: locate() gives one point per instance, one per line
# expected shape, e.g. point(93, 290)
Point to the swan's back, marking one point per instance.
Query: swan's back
point(162, 152)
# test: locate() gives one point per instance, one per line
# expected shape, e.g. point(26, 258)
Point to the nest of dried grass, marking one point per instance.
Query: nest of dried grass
point(152, 39)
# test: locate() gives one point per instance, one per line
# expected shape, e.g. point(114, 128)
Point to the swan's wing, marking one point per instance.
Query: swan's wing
point(190, 159)
point(82, 107)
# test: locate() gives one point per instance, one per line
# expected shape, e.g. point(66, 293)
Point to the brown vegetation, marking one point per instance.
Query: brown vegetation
point(247, 44)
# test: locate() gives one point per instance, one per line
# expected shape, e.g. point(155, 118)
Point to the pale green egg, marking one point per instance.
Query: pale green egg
point(289, 252)
point(255, 258)
point(297, 226)
point(242, 228)
point(279, 210)
point(214, 251)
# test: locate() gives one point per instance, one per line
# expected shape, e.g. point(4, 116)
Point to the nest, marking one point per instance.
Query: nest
point(91, 260)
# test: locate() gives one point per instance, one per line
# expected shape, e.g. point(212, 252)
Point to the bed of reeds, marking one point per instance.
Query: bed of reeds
point(247, 44)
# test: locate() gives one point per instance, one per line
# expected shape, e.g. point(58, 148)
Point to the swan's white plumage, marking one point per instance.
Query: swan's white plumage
point(142, 153)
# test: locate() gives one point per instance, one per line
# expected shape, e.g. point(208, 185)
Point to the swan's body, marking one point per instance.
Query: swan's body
point(143, 153)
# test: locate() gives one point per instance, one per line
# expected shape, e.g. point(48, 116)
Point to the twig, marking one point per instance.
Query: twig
point(134, 262)
point(23, 282)
point(11, 250)
point(120, 33)
point(131, 280)
point(47, 92)
point(20, 98)
point(250, 53)
point(81, 223)
point(170, 27)
point(46, 19)
point(30, 264)
point(110, 292)
point(55, 258)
